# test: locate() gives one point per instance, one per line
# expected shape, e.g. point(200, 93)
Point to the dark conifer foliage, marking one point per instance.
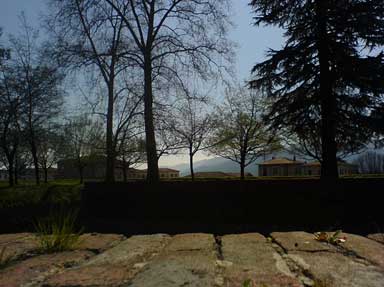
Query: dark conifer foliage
point(330, 72)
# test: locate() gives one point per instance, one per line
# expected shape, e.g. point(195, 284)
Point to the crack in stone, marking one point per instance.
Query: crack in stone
point(354, 256)
point(219, 277)
point(304, 276)
point(219, 250)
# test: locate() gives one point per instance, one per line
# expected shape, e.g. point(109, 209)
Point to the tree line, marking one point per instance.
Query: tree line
point(150, 68)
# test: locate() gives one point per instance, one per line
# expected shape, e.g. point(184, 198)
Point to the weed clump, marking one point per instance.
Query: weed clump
point(57, 232)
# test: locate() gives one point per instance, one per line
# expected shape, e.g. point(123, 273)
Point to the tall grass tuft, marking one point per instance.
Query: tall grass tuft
point(58, 232)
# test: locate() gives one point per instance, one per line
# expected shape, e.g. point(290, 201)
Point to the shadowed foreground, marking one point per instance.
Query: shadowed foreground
point(232, 206)
point(110, 260)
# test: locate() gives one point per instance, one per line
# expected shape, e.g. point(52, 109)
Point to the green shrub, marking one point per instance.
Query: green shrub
point(57, 232)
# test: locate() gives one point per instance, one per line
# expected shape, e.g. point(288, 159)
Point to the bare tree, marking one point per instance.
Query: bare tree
point(172, 38)
point(129, 145)
point(4, 52)
point(50, 148)
point(240, 133)
point(10, 109)
point(168, 143)
point(90, 35)
point(84, 138)
point(192, 124)
point(131, 152)
point(38, 86)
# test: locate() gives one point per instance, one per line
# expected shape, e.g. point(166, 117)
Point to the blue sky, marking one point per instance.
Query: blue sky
point(253, 41)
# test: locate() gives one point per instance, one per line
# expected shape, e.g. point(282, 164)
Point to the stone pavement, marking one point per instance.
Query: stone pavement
point(199, 260)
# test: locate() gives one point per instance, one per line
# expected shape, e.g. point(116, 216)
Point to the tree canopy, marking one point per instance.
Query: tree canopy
point(329, 74)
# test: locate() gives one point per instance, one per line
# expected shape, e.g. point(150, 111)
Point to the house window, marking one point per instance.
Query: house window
point(264, 171)
point(275, 171)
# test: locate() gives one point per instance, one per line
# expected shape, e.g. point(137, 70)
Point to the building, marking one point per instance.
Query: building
point(218, 174)
point(287, 167)
point(95, 169)
point(314, 168)
point(135, 174)
point(3, 175)
point(168, 173)
point(281, 167)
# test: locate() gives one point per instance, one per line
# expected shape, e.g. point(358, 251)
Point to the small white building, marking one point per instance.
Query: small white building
point(3, 175)
point(280, 167)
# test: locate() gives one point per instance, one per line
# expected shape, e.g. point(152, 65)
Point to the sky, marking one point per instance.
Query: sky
point(252, 41)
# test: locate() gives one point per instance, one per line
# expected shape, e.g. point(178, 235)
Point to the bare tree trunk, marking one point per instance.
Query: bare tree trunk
point(152, 160)
point(191, 165)
point(46, 175)
point(35, 161)
point(16, 173)
point(125, 177)
point(16, 169)
point(110, 171)
point(32, 141)
point(81, 175)
point(242, 167)
point(125, 170)
point(10, 172)
point(80, 169)
point(329, 169)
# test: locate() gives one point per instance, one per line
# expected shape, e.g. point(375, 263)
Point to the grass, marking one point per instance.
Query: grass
point(58, 232)
point(250, 283)
point(28, 193)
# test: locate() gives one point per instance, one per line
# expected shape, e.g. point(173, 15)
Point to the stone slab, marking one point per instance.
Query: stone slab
point(113, 267)
point(92, 276)
point(301, 241)
point(14, 246)
point(97, 242)
point(192, 242)
point(337, 270)
point(132, 250)
point(36, 269)
point(379, 237)
point(365, 248)
point(251, 257)
point(188, 260)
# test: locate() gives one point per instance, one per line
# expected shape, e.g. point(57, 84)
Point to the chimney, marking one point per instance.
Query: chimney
point(294, 157)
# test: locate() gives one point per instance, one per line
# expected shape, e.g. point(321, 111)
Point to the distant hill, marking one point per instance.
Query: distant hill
point(214, 164)
point(223, 165)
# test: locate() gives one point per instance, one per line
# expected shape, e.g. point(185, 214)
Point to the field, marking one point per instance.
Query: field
point(28, 193)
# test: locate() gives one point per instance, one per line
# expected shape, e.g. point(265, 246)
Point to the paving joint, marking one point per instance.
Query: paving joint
point(304, 276)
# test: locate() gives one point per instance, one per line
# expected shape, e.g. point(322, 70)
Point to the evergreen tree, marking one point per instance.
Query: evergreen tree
point(329, 72)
